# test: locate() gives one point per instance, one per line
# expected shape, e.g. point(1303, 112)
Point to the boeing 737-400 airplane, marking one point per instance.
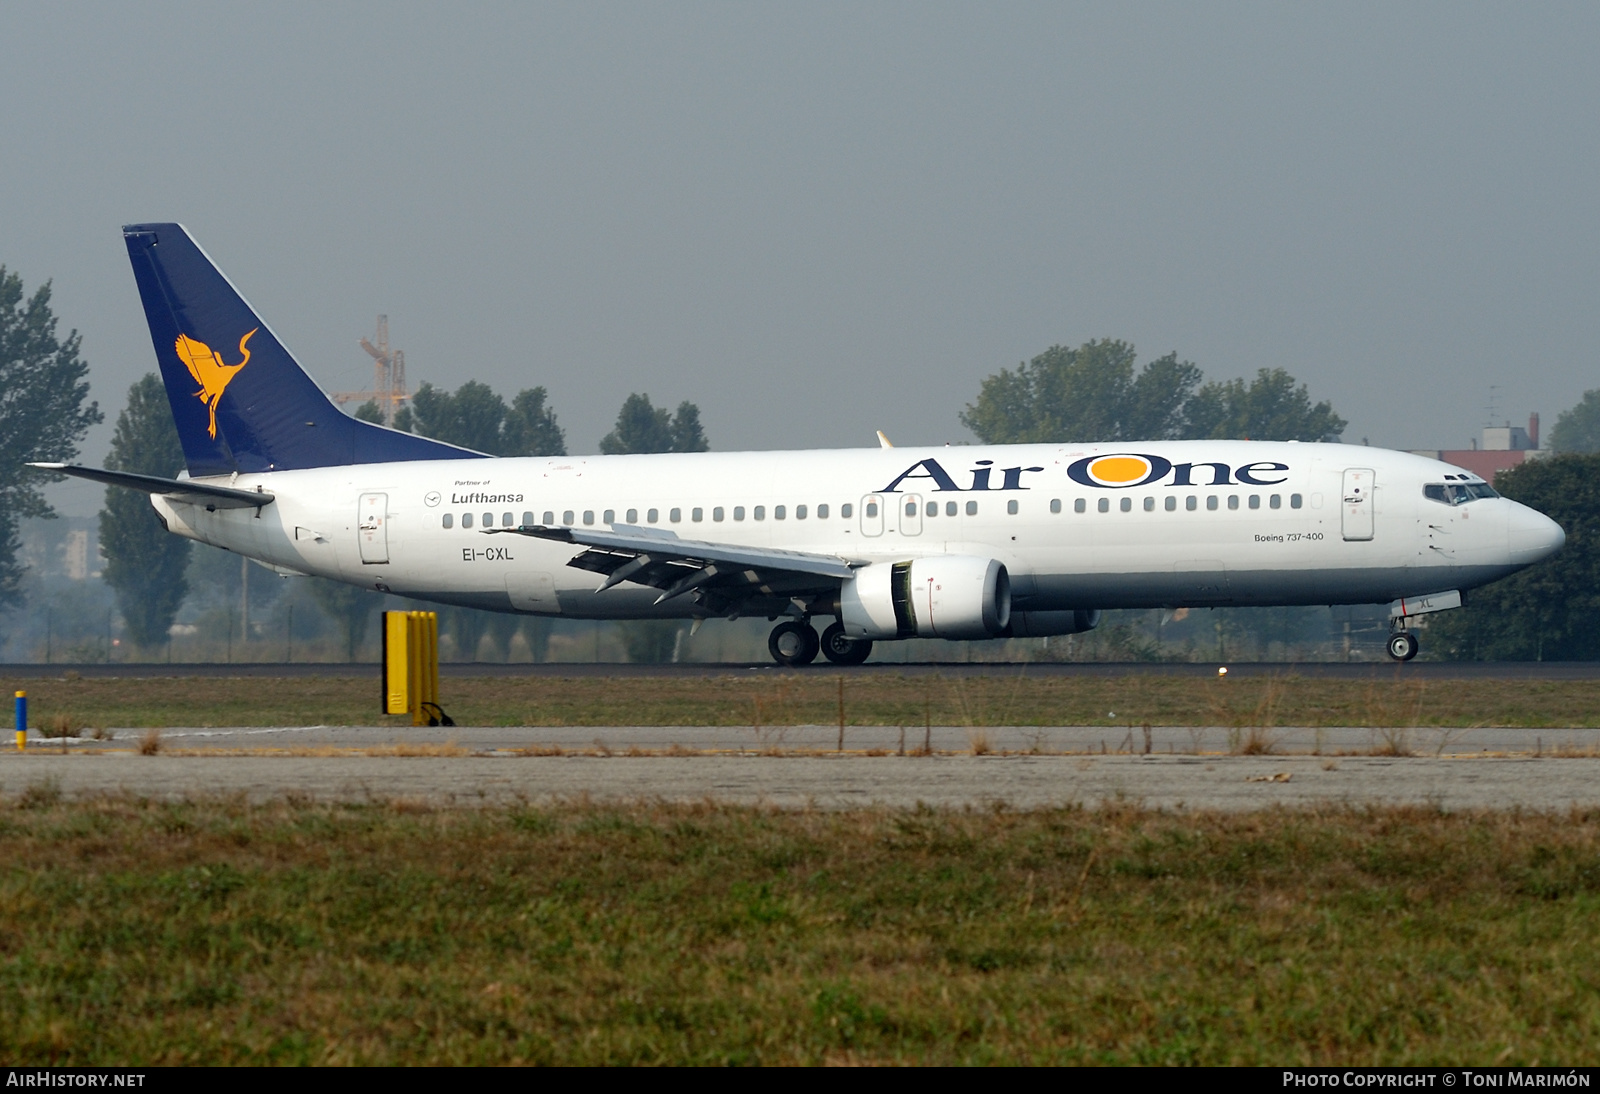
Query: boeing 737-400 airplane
point(957, 543)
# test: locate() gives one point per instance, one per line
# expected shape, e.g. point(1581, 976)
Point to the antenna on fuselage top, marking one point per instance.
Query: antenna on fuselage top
point(884, 442)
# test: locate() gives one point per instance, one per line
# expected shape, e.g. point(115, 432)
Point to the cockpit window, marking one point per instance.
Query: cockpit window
point(1451, 493)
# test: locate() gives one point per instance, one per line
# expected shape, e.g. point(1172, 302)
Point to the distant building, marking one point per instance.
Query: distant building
point(1503, 447)
point(75, 554)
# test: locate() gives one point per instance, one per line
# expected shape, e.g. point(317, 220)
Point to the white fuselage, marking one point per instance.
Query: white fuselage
point(1206, 523)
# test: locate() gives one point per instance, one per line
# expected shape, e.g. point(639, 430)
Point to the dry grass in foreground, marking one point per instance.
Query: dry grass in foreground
point(740, 700)
point(219, 932)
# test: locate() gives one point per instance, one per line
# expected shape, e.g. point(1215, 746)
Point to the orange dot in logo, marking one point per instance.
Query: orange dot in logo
point(1119, 470)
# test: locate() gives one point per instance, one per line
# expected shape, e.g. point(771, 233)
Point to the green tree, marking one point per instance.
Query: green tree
point(146, 566)
point(369, 412)
point(43, 415)
point(530, 427)
point(1091, 393)
point(475, 417)
point(650, 641)
point(1551, 610)
point(348, 607)
point(1272, 407)
point(642, 427)
point(1577, 430)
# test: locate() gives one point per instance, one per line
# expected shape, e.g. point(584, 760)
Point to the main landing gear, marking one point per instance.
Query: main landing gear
point(1402, 645)
point(795, 643)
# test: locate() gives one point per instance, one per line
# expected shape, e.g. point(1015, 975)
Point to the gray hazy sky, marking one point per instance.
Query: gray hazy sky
point(816, 221)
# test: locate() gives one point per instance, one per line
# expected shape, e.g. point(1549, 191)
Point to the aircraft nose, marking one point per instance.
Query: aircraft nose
point(1532, 536)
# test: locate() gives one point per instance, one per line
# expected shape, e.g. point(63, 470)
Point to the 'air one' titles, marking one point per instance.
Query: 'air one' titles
point(1114, 472)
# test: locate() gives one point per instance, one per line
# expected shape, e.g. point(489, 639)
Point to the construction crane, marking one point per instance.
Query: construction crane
point(388, 376)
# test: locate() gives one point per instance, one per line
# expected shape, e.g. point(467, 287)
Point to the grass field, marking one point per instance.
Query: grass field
point(809, 700)
point(217, 932)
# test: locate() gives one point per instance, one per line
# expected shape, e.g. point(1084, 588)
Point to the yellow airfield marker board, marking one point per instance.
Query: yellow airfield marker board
point(410, 664)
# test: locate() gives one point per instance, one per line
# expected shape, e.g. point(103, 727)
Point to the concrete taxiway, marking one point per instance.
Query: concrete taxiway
point(795, 769)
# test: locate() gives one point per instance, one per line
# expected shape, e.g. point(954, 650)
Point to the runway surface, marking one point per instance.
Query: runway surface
point(1375, 670)
point(798, 767)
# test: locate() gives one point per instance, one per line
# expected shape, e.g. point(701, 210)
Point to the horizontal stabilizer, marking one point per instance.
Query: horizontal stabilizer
point(180, 490)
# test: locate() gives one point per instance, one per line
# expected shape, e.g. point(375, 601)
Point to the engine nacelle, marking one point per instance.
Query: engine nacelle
point(946, 596)
point(1048, 624)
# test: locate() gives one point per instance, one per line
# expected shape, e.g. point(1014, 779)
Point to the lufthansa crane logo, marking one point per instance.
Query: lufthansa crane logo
point(210, 371)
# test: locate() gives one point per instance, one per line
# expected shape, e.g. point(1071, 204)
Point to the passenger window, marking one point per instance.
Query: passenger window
point(933, 508)
point(1191, 503)
point(488, 520)
point(799, 512)
point(608, 517)
point(1275, 501)
point(760, 512)
point(566, 517)
point(527, 519)
point(652, 516)
point(1011, 506)
point(1255, 501)
point(738, 512)
point(1294, 501)
point(1127, 505)
point(1172, 503)
point(822, 511)
point(506, 520)
point(448, 520)
point(588, 516)
point(466, 520)
point(779, 512)
point(633, 516)
point(1105, 505)
point(1078, 505)
point(675, 516)
point(911, 508)
point(1211, 501)
point(718, 513)
point(972, 508)
point(697, 514)
point(872, 509)
point(1149, 505)
point(845, 510)
point(1055, 505)
point(549, 517)
point(1233, 501)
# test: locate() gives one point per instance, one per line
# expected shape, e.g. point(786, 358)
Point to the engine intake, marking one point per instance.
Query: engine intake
point(945, 596)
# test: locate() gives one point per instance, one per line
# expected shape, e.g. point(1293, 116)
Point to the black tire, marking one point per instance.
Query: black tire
point(793, 643)
point(1402, 645)
point(843, 650)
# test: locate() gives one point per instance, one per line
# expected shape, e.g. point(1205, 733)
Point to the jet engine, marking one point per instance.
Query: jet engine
point(946, 596)
point(1047, 624)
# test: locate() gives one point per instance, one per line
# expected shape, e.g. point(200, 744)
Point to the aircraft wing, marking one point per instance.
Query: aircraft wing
point(182, 490)
point(723, 577)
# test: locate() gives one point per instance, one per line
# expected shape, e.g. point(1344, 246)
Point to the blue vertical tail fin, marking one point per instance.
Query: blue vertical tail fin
point(240, 400)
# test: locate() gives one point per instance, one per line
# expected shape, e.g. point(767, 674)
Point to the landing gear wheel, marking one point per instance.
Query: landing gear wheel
point(841, 649)
point(1402, 645)
point(793, 643)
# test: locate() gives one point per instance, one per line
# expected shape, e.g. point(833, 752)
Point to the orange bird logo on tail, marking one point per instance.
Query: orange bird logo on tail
point(209, 371)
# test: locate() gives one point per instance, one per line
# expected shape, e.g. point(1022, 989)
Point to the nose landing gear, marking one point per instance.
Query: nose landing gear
point(1402, 645)
point(793, 643)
